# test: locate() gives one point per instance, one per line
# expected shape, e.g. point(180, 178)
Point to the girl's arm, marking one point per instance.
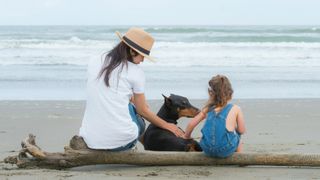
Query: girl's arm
point(144, 111)
point(194, 122)
point(240, 122)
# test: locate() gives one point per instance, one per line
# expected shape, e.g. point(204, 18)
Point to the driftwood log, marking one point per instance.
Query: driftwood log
point(77, 154)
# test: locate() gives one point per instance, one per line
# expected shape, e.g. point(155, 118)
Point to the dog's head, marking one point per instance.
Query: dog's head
point(180, 106)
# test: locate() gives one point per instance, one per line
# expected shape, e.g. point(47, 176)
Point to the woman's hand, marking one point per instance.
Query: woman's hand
point(186, 136)
point(144, 111)
point(175, 130)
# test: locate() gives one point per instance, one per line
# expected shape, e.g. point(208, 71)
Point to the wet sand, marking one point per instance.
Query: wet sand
point(273, 125)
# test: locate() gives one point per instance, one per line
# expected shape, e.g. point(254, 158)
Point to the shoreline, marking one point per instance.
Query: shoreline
point(273, 125)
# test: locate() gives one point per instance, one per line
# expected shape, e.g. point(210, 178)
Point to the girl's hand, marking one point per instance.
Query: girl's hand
point(175, 130)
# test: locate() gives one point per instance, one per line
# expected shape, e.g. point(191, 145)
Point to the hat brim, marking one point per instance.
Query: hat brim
point(143, 54)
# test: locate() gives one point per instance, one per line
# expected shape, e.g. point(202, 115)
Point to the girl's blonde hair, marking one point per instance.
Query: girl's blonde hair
point(220, 91)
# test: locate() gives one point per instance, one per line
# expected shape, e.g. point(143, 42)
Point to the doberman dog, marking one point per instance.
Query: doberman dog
point(157, 139)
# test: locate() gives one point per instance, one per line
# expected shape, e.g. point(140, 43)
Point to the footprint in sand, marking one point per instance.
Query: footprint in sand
point(301, 144)
point(54, 116)
point(265, 133)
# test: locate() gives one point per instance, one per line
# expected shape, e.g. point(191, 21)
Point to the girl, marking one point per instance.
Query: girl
point(110, 120)
point(224, 125)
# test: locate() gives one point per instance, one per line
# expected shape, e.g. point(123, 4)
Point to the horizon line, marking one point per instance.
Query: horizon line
point(159, 25)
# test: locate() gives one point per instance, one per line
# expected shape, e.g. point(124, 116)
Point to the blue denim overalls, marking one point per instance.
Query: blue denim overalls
point(216, 140)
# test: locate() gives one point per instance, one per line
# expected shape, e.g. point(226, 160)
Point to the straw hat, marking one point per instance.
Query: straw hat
point(139, 40)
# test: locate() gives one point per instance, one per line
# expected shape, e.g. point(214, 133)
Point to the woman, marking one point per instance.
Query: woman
point(110, 120)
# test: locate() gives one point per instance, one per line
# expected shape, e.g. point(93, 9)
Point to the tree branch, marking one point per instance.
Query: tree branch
point(77, 154)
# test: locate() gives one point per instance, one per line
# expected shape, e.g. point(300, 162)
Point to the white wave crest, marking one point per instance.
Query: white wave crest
point(78, 52)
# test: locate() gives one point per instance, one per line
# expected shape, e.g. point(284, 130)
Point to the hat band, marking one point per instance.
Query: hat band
point(136, 46)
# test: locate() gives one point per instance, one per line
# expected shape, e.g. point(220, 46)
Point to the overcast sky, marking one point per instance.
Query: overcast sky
point(159, 12)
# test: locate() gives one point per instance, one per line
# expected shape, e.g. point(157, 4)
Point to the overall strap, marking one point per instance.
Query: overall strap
point(225, 111)
point(211, 112)
point(211, 109)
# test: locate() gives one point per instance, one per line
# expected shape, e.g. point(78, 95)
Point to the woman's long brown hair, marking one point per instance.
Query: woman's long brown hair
point(119, 55)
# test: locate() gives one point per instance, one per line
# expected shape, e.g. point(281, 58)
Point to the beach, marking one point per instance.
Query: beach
point(274, 71)
point(273, 126)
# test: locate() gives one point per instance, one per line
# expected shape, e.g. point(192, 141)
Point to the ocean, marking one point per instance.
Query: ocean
point(49, 62)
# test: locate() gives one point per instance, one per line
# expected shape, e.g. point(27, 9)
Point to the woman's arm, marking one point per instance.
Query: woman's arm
point(240, 121)
point(144, 111)
point(194, 122)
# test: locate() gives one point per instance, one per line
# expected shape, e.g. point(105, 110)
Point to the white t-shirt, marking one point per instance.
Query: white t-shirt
point(107, 123)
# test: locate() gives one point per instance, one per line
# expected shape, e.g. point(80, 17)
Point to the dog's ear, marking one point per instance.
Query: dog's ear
point(167, 100)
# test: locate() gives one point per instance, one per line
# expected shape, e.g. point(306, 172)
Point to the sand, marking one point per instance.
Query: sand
point(273, 125)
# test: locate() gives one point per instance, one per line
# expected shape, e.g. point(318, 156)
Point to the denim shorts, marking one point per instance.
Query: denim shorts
point(136, 118)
